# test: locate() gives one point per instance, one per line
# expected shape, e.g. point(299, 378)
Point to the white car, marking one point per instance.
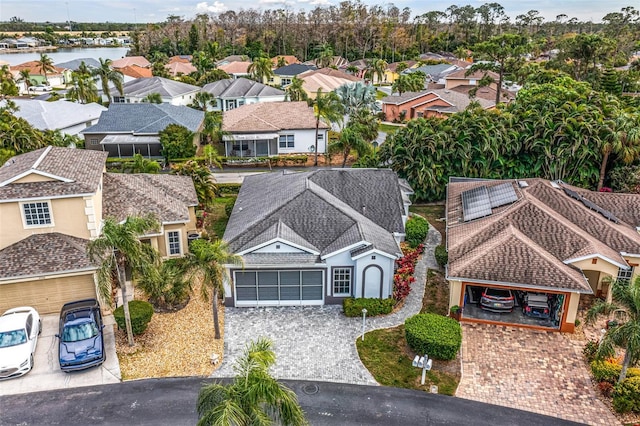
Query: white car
point(19, 330)
point(41, 88)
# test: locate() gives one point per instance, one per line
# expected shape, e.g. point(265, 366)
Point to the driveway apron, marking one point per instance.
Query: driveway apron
point(317, 342)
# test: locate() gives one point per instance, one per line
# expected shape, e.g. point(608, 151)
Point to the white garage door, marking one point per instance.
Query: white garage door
point(46, 296)
point(270, 288)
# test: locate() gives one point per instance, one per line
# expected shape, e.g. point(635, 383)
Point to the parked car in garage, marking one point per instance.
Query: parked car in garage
point(19, 330)
point(536, 305)
point(497, 300)
point(81, 340)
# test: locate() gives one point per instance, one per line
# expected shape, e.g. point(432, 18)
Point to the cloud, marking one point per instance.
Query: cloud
point(216, 7)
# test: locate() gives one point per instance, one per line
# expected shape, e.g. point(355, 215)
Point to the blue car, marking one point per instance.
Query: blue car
point(81, 336)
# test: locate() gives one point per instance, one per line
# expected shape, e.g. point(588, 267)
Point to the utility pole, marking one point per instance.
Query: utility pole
point(68, 19)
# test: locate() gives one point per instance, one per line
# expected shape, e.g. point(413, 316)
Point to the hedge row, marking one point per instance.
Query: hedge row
point(353, 307)
point(626, 395)
point(141, 313)
point(438, 336)
point(609, 371)
point(416, 229)
point(228, 188)
point(442, 257)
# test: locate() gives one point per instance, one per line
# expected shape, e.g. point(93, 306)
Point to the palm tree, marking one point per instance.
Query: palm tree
point(623, 141)
point(378, 68)
point(356, 96)
point(141, 165)
point(203, 181)
point(626, 298)
point(350, 139)
point(295, 91)
point(254, 397)
point(261, 69)
point(108, 74)
point(117, 248)
point(206, 260)
point(84, 87)
point(153, 98)
point(45, 64)
point(325, 55)
point(282, 62)
point(26, 77)
point(202, 101)
point(326, 106)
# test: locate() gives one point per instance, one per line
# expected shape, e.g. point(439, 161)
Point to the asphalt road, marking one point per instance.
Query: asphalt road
point(172, 402)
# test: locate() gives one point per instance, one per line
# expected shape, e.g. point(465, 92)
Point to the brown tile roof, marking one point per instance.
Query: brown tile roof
point(331, 73)
point(528, 242)
point(176, 68)
point(290, 59)
point(139, 61)
point(34, 69)
point(270, 117)
point(136, 71)
point(74, 171)
point(238, 67)
point(166, 196)
point(45, 254)
point(394, 65)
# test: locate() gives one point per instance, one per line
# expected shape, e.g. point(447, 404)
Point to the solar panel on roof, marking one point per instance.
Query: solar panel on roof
point(591, 205)
point(502, 194)
point(476, 203)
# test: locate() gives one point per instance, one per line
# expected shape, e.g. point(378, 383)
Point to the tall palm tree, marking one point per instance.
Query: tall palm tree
point(207, 261)
point(325, 55)
point(350, 139)
point(203, 180)
point(25, 76)
point(626, 297)
point(117, 248)
point(202, 101)
point(108, 74)
point(623, 141)
point(141, 165)
point(378, 68)
point(45, 65)
point(254, 397)
point(326, 106)
point(84, 88)
point(295, 91)
point(261, 69)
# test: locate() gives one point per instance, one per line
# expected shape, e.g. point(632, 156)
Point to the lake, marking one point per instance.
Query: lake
point(66, 54)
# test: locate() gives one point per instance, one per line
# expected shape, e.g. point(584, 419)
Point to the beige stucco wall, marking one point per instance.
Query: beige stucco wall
point(572, 308)
point(607, 270)
point(455, 292)
point(33, 177)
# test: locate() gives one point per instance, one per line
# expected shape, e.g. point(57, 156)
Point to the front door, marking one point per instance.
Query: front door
point(372, 282)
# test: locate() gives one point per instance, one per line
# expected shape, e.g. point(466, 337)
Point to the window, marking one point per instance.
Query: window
point(174, 242)
point(94, 141)
point(285, 82)
point(625, 275)
point(287, 141)
point(37, 214)
point(320, 137)
point(118, 100)
point(341, 281)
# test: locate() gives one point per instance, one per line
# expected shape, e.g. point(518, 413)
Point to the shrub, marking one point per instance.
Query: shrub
point(442, 257)
point(228, 207)
point(605, 388)
point(439, 337)
point(228, 188)
point(405, 267)
point(416, 230)
point(626, 395)
point(141, 313)
point(589, 350)
point(609, 371)
point(353, 307)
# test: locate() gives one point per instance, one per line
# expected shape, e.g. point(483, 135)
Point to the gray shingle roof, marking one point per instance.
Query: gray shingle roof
point(74, 64)
point(165, 87)
point(145, 118)
point(166, 196)
point(74, 171)
point(240, 88)
point(317, 207)
point(294, 69)
point(56, 115)
point(45, 254)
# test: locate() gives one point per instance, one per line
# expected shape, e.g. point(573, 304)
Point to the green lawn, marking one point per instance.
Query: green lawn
point(387, 356)
point(388, 128)
point(217, 219)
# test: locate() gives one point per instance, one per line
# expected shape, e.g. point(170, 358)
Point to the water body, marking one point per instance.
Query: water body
point(66, 54)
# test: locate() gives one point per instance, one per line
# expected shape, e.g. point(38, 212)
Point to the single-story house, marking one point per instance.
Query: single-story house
point(327, 79)
point(314, 238)
point(127, 129)
point(428, 103)
point(127, 61)
point(170, 91)
point(68, 117)
point(284, 75)
point(272, 128)
point(233, 93)
point(512, 243)
point(237, 69)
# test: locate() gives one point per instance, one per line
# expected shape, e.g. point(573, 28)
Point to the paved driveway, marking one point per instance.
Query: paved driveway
point(46, 373)
point(316, 342)
point(530, 370)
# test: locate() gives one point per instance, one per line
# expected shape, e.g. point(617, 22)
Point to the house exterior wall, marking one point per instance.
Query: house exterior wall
point(386, 266)
point(450, 83)
point(392, 111)
point(278, 247)
point(607, 270)
point(303, 141)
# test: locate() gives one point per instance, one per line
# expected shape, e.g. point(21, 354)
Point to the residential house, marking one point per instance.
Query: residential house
point(272, 128)
point(434, 73)
point(68, 117)
point(334, 61)
point(52, 203)
point(460, 78)
point(127, 129)
point(391, 73)
point(170, 91)
point(237, 69)
point(128, 61)
point(288, 59)
point(283, 76)
point(74, 64)
point(233, 93)
point(428, 103)
point(315, 238)
point(134, 72)
point(232, 58)
point(534, 239)
point(177, 68)
point(57, 77)
point(326, 79)
point(359, 65)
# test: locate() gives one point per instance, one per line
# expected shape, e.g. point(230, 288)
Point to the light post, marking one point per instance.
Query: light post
point(423, 362)
point(364, 321)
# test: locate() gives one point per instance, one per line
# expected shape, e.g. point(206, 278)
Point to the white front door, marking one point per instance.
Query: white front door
point(372, 282)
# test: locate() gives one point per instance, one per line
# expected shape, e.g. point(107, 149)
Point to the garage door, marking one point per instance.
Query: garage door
point(46, 296)
point(290, 287)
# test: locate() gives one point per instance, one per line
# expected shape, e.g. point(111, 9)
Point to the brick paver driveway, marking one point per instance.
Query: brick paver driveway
point(530, 370)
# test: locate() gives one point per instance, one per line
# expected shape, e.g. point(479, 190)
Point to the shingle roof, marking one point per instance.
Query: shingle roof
point(136, 71)
point(270, 117)
point(289, 59)
point(458, 101)
point(167, 196)
point(140, 61)
point(72, 172)
point(46, 254)
point(145, 118)
point(56, 115)
point(326, 79)
point(74, 64)
point(314, 210)
point(294, 69)
point(237, 67)
point(541, 231)
point(240, 88)
point(177, 67)
point(163, 86)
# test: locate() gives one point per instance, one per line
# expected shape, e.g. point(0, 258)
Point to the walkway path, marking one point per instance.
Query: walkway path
point(317, 342)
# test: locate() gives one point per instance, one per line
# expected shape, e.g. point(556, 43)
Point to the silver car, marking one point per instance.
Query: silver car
point(497, 300)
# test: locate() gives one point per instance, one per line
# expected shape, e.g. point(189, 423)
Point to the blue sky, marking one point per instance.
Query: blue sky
point(142, 11)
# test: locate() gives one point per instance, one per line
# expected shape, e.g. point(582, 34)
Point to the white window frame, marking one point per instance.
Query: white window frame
point(341, 270)
point(168, 238)
point(289, 141)
point(94, 141)
point(39, 225)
